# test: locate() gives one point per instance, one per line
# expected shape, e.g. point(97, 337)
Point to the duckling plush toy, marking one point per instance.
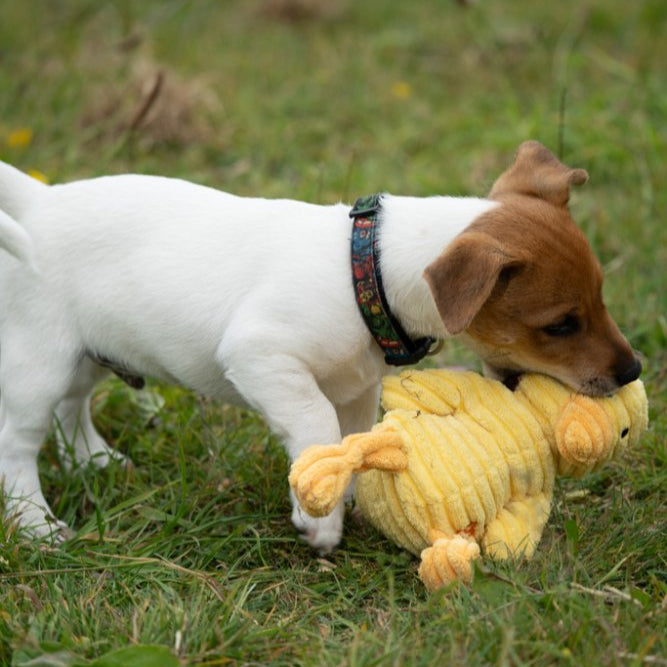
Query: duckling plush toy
point(460, 463)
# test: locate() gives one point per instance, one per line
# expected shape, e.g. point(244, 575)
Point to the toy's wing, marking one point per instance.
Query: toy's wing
point(320, 476)
point(431, 391)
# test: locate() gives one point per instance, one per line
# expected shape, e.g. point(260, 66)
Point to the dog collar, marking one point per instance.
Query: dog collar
point(399, 349)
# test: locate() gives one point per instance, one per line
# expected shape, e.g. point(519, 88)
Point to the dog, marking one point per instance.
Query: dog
point(255, 302)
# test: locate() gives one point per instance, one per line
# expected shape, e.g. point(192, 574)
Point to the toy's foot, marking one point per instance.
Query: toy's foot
point(448, 560)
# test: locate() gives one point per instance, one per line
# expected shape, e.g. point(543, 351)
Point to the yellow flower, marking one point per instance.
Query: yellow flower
point(401, 89)
point(38, 175)
point(19, 138)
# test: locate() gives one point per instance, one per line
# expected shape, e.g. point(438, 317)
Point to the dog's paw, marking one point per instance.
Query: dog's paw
point(39, 524)
point(323, 534)
point(56, 533)
point(99, 456)
point(103, 457)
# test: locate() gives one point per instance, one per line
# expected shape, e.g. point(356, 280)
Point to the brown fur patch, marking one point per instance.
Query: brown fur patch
point(523, 271)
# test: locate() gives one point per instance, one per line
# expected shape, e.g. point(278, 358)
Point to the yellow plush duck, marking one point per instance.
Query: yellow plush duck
point(461, 461)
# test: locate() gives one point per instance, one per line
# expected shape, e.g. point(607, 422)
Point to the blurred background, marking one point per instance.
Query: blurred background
point(325, 101)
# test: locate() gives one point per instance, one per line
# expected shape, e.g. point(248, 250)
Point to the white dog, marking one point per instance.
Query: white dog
point(252, 301)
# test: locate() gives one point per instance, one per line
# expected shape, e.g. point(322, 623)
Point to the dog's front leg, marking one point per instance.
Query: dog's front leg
point(285, 392)
point(358, 416)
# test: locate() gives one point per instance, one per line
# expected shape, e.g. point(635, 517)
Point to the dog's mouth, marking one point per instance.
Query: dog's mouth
point(508, 376)
point(504, 370)
point(511, 380)
point(595, 387)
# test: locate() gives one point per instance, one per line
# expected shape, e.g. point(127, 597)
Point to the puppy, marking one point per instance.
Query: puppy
point(255, 302)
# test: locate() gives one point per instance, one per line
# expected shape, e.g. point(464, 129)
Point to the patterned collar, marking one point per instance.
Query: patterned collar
point(399, 349)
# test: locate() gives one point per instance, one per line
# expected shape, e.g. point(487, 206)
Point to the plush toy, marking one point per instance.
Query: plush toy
point(460, 462)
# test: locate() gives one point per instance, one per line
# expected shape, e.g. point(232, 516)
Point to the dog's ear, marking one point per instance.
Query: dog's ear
point(537, 172)
point(463, 277)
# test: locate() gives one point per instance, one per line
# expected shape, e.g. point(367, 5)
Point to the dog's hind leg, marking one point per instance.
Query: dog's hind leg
point(32, 382)
point(77, 438)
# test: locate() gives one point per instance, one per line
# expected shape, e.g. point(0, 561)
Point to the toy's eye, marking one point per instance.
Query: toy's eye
point(624, 432)
point(566, 326)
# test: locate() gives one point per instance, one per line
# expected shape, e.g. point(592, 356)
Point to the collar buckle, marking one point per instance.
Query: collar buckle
point(418, 350)
point(366, 206)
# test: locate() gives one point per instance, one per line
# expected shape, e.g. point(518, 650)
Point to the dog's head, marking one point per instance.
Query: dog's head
point(522, 286)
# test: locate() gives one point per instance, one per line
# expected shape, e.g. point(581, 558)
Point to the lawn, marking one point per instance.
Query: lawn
point(189, 557)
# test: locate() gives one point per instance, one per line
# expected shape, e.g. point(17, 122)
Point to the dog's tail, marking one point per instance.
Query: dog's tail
point(17, 190)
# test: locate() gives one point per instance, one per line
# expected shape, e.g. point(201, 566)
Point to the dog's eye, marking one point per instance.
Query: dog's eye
point(624, 432)
point(566, 327)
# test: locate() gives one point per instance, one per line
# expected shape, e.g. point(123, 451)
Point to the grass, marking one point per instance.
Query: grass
point(192, 549)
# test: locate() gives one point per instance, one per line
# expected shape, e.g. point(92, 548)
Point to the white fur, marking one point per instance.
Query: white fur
point(245, 300)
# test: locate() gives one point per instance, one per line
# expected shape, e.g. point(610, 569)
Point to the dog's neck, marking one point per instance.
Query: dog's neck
point(413, 232)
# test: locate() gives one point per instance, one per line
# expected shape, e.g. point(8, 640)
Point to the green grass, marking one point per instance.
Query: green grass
point(192, 548)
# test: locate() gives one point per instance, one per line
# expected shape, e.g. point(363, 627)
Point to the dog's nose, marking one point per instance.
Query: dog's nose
point(629, 373)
